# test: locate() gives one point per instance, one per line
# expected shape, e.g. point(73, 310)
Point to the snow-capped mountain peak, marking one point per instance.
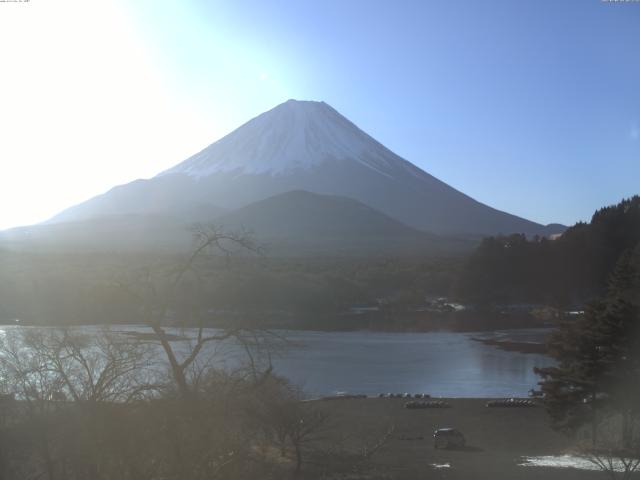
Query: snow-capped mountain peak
point(292, 136)
point(303, 146)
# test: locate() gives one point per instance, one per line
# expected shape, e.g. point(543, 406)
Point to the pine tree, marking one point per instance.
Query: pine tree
point(598, 358)
point(620, 322)
point(572, 387)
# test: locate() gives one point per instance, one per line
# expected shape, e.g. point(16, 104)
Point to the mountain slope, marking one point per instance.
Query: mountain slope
point(288, 224)
point(302, 145)
point(109, 233)
point(300, 221)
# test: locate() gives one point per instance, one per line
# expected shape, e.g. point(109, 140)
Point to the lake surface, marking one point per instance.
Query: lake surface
point(447, 364)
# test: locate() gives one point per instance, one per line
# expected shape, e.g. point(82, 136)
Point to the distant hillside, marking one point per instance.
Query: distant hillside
point(110, 233)
point(290, 224)
point(571, 269)
point(304, 222)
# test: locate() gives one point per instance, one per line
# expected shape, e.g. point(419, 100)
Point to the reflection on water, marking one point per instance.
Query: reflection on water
point(447, 364)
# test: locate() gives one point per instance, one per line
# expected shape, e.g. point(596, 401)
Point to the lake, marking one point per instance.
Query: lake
point(447, 364)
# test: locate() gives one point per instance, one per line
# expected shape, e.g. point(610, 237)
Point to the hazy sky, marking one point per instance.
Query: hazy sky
point(529, 106)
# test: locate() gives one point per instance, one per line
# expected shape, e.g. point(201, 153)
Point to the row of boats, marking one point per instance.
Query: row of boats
point(404, 395)
point(511, 402)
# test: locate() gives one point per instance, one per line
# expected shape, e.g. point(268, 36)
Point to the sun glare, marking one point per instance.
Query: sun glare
point(79, 94)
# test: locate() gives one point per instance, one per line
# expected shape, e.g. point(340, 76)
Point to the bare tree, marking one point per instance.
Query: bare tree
point(79, 388)
point(338, 460)
point(294, 425)
point(68, 385)
point(618, 464)
point(184, 286)
point(42, 366)
point(616, 456)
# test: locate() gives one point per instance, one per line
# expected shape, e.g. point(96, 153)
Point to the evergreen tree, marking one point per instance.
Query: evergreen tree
point(598, 357)
point(572, 387)
point(620, 322)
point(569, 270)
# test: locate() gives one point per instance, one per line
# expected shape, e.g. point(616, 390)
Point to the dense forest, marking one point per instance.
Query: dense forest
point(316, 292)
point(569, 270)
point(59, 289)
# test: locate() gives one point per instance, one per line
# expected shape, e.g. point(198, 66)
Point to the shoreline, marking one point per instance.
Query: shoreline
point(329, 324)
point(513, 346)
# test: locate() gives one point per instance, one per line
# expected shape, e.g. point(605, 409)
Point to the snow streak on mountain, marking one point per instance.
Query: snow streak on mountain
point(292, 136)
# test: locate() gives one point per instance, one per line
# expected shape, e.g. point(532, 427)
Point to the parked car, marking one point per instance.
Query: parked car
point(448, 438)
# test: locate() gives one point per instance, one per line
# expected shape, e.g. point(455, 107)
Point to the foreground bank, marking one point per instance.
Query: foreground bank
point(498, 440)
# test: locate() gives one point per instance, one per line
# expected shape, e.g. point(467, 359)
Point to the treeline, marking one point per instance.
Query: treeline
point(66, 289)
point(593, 391)
point(568, 270)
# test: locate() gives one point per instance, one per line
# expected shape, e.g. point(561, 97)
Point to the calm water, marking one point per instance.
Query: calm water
point(440, 363)
point(447, 364)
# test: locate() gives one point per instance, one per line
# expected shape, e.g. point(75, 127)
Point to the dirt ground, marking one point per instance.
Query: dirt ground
point(497, 439)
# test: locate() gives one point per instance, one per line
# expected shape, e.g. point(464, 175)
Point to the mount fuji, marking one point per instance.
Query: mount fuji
point(303, 146)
